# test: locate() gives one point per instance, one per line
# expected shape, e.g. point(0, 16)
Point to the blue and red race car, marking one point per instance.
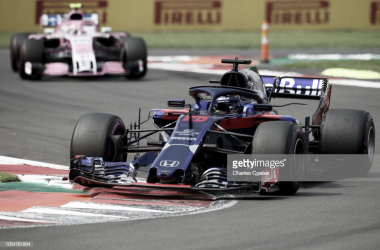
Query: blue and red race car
point(233, 117)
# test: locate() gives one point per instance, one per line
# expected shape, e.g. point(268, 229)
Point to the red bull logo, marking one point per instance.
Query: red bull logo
point(311, 12)
point(62, 7)
point(187, 12)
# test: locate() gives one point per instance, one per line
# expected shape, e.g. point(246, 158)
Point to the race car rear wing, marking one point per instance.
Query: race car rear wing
point(301, 87)
point(52, 20)
point(294, 87)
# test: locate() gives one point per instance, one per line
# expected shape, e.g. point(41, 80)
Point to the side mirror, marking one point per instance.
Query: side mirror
point(213, 80)
point(106, 29)
point(262, 107)
point(176, 103)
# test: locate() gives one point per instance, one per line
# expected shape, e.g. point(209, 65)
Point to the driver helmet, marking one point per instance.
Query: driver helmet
point(228, 104)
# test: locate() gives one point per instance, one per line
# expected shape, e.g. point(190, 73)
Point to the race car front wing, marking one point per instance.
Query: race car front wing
point(93, 171)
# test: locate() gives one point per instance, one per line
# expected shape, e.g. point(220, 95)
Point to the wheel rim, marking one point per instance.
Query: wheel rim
point(118, 128)
point(299, 163)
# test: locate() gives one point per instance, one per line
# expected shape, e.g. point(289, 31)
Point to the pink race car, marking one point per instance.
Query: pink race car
point(75, 47)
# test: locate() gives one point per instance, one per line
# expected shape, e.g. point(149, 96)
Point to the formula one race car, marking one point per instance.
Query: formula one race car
point(235, 117)
point(76, 48)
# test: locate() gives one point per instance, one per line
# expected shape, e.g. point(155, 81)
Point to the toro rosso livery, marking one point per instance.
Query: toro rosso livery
point(75, 47)
point(233, 117)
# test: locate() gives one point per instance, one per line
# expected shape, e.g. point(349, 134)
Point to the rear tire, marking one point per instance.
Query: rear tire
point(135, 57)
point(348, 131)
point(14, 49)
point(280, 137)
point(32, 51)
point(92, 136)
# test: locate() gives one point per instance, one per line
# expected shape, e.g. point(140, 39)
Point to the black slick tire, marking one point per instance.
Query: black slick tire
point(16, 39)
point(348, 131)
point(92, 136)
point(32, 51)
point(280, 137)
point(135, 57)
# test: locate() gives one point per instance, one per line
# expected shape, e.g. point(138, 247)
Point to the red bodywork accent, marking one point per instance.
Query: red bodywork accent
point(247, 122)
point(272, 178)
point(323, 107)
point(170, 117)
point(196, 118)
point(173, 114)
point(177, 111)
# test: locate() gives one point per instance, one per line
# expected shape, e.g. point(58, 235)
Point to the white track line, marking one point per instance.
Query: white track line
point(50, 180)
point(90, 205)
point(171, 58)
point(194, 68)
point(334, 57)
point(3, 217)
point(355, 83)
point(4, 160)
point(44, 210)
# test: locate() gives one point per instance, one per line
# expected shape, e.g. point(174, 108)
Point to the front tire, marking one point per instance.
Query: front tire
point(31, 59)
point(280, 137)
point(92, 136)
point(15, 49)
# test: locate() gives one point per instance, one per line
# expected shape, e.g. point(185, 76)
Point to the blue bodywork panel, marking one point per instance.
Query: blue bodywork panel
point(181, 147)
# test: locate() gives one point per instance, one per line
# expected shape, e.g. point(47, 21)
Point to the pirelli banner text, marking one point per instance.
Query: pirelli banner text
point(156, 15)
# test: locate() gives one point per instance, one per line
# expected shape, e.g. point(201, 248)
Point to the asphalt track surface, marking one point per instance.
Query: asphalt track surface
point(38, 117)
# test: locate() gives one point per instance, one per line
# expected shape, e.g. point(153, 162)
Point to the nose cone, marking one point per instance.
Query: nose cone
point(167, 175)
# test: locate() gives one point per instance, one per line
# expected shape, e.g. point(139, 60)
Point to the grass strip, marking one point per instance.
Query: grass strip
point(6, 177)
point(36, 187)
point(252, 39)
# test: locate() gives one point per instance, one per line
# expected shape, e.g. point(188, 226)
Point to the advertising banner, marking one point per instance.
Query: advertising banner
point(158, 15)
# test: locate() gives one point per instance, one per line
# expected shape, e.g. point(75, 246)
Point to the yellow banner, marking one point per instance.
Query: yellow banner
point(156, 15)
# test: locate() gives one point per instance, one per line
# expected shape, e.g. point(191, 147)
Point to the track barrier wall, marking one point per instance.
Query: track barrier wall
point(243, 15)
